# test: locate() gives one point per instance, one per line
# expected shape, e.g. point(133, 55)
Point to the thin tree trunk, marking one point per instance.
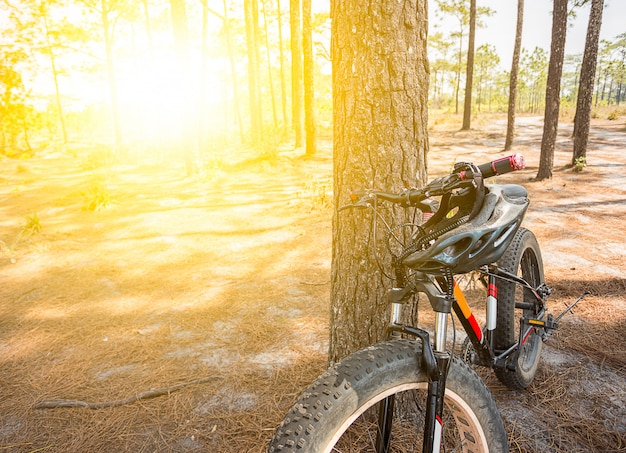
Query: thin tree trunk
point(553, 89)
point(269, 66)
point(469, 77)
point(233, 72)
point(202, 85)
point(148, 27)
point(510, 127)
point(55, 75)
point(253, 92)
point(309, 91)
point(296, 71)
point(582, 118)
point(186, 121)
point(283, 77)
point(257, 62)
point(458, 75)
point(108, 43)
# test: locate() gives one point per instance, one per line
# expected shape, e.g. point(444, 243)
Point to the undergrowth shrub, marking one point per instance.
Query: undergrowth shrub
point(97, 196)
point(32, 225)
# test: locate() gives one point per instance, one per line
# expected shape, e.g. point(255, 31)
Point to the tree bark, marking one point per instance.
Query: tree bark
point(469, 75)
point(553, 89)
point(380, 92)
point(510, 127)
point(296, 70)
point(309, 91)
point(582, 118)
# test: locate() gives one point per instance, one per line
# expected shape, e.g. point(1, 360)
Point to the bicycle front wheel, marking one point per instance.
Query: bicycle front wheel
point(342, 410)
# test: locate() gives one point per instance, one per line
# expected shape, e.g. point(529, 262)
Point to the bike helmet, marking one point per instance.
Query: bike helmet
point(463, 235)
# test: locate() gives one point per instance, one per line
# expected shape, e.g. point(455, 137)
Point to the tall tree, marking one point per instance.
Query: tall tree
point(440, 65)
point(270, 78)
point(587, 80)
point(619, 69)
point(469, 73)
point(487, 75)
point(517, 47)
point(281, 52)
point(459, 10)
point(295, 22)
point(380, 92)
point(186, 121)
point(13, 106)
point(553, 89)
point(233, 70)
point(107, 8)
point(254, 91)
point(38, 31)
point(308, 70)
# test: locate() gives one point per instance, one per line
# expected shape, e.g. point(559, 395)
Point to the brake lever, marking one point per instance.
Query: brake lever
point(359, 200)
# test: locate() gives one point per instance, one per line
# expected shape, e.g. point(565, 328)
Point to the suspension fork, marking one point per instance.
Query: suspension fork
point(435, 361)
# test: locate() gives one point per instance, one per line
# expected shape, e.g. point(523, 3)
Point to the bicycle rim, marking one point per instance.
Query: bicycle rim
point(462, 431)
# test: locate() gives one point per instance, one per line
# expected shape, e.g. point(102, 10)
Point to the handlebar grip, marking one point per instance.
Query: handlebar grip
point(503, 165)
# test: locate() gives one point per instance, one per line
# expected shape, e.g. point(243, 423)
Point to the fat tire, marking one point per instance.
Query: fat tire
point(367, 376)
point(522, 257)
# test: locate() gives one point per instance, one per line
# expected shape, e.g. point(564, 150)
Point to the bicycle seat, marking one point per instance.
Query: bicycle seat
point(481, 240)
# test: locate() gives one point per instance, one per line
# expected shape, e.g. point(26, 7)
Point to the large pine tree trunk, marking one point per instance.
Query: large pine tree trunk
point(553, 89)
point(587, 79)
point(380, 89)
point(510, 127)
point(469, 75)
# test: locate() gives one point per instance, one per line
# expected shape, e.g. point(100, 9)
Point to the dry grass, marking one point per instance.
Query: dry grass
point(176, 282)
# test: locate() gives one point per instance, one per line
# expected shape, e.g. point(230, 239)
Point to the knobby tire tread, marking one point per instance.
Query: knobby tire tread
point(507, 321)
point(332, 397)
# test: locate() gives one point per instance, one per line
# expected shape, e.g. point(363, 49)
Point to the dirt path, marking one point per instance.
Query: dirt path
point(227, 276)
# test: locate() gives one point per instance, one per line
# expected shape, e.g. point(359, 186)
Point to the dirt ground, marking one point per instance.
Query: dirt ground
point(212, 295)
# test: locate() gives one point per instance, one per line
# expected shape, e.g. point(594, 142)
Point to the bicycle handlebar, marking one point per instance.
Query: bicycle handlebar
point(501, 166)
point(461, 176)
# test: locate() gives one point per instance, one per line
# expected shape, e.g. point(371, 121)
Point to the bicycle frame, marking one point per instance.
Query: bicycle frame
point(445, 295)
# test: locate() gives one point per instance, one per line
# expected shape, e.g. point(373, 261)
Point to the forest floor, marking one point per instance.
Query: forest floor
point(213, 293)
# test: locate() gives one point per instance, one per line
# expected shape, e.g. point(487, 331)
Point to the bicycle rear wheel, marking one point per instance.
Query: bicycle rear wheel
point(340, 411)
point(523, 258)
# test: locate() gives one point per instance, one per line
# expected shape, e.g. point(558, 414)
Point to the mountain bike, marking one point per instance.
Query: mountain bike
point(412, 392)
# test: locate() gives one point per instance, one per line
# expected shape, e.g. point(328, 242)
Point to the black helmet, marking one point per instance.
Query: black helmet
point(465, 237)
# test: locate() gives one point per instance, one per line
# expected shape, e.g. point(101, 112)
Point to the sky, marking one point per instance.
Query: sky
point(500, 28)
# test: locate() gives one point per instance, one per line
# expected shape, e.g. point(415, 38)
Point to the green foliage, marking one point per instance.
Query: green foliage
point(97, 196)
point(15, 112)
point(31, 226)
point(613, 115)
point(579, 164)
